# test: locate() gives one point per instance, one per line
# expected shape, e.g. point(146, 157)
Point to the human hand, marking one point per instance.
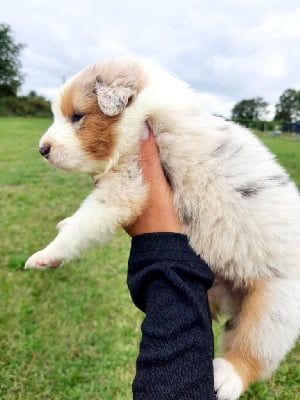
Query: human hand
point(159, 214)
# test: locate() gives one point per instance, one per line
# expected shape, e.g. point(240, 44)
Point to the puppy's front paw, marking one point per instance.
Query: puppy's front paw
point(42, 259)
point(228, 384)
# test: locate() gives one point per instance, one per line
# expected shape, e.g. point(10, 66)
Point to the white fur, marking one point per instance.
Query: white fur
point(68, 154)
point(237, 205)
point(228, 384)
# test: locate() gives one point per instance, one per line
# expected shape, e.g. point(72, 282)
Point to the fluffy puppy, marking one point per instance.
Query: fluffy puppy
point(238, 207)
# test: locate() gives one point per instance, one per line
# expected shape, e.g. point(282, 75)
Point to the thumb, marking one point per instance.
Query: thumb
point(149, 159)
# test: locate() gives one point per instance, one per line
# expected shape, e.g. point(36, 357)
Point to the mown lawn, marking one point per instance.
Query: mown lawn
point(73, 333)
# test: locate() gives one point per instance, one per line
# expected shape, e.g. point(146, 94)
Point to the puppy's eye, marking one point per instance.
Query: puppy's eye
point(76, 117)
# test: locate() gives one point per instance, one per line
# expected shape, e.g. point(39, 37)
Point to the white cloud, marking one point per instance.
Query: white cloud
point(228, 50)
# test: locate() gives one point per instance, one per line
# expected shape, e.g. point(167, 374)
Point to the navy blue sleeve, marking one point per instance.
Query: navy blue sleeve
point(169, 283)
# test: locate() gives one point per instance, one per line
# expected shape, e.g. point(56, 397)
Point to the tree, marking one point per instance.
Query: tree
point(288, 107)
point(32, 94)
point(251, 109)
point(11, 77)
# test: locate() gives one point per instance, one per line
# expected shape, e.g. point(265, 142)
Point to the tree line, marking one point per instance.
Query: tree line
point(11, 79)
point(249, 112)
point(252, 111)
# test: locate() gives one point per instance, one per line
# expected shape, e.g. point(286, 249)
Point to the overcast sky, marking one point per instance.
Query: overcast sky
point(228, 50)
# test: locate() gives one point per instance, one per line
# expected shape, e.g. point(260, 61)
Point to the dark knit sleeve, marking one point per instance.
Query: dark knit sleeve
point(169, 283)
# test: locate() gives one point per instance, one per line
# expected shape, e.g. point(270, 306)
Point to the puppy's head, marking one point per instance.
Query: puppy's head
point(87, 111)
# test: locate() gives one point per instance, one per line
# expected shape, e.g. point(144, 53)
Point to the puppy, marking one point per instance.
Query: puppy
point(238, 207)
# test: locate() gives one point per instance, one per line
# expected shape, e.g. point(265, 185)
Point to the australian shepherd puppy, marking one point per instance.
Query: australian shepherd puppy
point(238, 207)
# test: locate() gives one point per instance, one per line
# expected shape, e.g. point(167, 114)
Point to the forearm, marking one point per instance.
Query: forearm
point(169, 283)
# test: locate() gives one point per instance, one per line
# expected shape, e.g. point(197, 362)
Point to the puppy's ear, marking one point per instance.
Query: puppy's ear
point(113, 99)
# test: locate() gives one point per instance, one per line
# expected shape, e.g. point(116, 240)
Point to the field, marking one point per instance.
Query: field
point(73, 333)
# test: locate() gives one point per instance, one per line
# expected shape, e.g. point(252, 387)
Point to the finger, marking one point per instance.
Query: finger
point(150, 161)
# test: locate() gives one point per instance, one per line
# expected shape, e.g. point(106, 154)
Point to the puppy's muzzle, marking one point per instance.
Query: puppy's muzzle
point(45, 150)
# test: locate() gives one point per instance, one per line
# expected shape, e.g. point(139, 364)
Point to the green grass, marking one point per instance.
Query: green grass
point(73, 333)
point(287, 150)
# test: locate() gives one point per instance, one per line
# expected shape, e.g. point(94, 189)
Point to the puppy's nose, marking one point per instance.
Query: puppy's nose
point(45, 150)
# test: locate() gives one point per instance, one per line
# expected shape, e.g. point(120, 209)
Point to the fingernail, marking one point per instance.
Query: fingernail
point(144, 133)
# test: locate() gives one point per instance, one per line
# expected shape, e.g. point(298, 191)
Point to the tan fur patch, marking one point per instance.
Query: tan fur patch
point(248, 367)
point(237, 342)
point(98, 134)
point(214, 304)
point(96, 131)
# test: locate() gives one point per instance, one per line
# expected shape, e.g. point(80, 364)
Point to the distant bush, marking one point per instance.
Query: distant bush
point(22, 106)
point(257, 124)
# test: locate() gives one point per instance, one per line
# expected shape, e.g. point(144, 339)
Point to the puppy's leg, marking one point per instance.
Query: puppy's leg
point(62, 223)
point(224, 299)
point(261, 335)
point(117, 201)
point(92, 222)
